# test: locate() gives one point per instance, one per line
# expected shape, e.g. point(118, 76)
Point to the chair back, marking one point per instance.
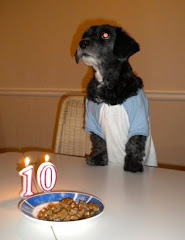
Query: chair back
point(71, 138)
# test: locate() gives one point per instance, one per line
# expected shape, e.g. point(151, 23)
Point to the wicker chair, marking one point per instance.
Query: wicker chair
point(71, 138)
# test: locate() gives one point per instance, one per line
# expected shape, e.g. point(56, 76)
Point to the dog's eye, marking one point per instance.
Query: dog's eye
point(105, 35)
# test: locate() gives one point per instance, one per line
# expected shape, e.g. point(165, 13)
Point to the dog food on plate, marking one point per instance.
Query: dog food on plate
point(67, 210)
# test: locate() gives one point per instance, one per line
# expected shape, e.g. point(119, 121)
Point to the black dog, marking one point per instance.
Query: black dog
point(116, 106)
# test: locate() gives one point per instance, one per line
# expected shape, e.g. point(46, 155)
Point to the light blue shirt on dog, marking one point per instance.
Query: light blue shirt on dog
point(117, 123)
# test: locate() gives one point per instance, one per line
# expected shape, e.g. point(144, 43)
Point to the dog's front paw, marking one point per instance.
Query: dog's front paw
point(133, 166)
point(98, 160)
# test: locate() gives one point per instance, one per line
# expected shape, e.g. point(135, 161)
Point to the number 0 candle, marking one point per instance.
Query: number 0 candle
point(27, 176)
point(46, 175)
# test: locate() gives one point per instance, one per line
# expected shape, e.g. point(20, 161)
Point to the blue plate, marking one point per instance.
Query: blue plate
point(32, 205)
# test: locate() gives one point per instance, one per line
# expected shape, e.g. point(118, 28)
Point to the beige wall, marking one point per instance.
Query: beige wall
point(38, 40)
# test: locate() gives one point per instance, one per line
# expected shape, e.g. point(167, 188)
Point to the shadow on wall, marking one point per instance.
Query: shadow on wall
point(77, 37)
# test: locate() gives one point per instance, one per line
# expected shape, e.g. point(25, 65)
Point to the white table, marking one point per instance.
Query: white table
point(143, 206)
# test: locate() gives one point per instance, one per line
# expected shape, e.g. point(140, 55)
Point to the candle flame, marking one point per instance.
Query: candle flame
point(46, 158)
point(27, 161)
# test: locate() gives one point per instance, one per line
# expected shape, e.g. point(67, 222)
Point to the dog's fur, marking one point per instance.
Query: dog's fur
point(107, 49)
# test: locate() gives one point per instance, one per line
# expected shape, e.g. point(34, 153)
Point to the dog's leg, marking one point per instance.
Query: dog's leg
point(135, 151)
point(98, 155)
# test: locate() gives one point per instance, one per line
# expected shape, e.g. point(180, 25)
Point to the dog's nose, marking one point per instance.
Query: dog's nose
point(84, 44)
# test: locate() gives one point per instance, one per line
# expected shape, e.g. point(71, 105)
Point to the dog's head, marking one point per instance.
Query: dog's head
point(104, 44)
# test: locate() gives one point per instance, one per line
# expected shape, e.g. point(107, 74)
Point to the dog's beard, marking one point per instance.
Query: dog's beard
point(89, 60)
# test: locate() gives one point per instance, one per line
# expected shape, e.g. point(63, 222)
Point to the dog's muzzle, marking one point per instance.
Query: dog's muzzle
point(84, 43)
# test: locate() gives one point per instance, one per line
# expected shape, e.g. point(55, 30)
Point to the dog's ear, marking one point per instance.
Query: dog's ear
point(124, 45)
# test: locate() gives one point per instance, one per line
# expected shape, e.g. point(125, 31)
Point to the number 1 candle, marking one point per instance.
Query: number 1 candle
point(27, 177)
point(46, 175)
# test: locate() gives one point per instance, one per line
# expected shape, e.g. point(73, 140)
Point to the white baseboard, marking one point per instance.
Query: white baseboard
point(54, 92)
